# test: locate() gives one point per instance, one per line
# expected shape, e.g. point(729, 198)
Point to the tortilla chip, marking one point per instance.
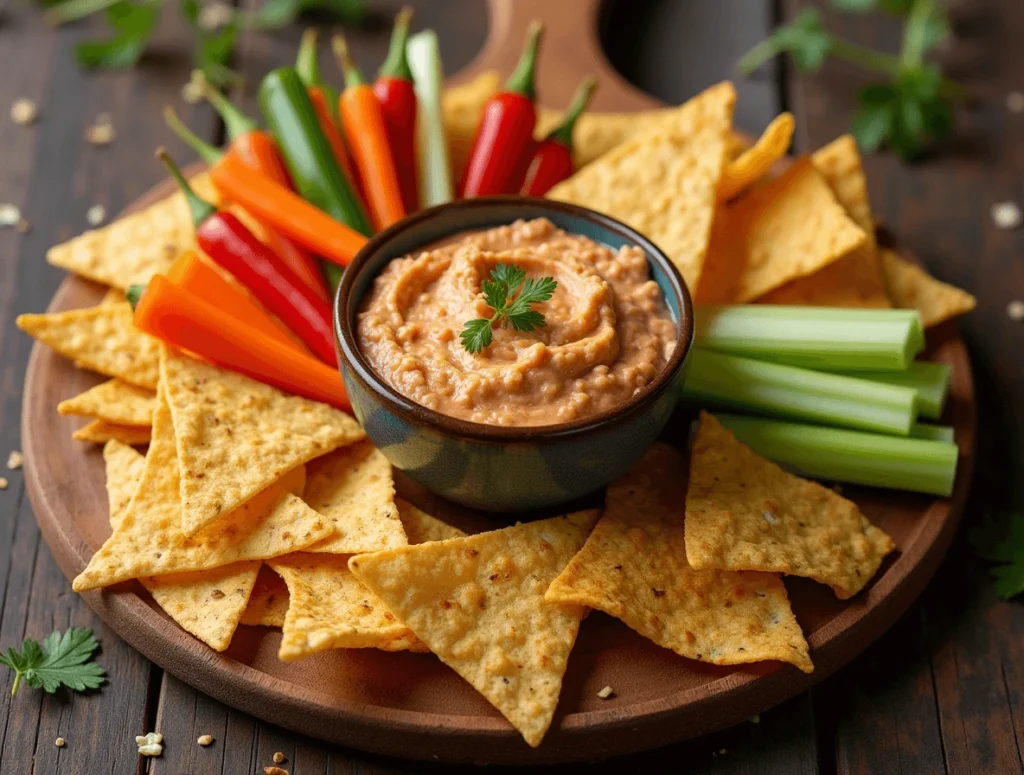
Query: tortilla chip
point(736, 147)
point(237, 436)
point(99, 338)
point(855, 280)
point(757, 161)
point(148, 541)
point(911, 287)
point(113, 296)
point(114, 402)
point(207, 603)
point(354, 488)
point(664, 183)
point(634, 567)
point(134, 248)
point(101, 431)
point(420, 527)
point(331, 609)
point(461, 107)
point(745, 513)
point(268, 603)
point(478, 604)
point(783, 229)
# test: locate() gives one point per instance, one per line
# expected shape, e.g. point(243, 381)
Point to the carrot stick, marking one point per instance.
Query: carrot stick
point(289, 213)
point(187, 321)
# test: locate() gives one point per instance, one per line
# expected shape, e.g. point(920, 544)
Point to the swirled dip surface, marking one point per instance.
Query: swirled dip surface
point(607, 333)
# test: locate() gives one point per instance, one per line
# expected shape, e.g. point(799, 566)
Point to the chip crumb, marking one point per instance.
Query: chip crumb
point(278, 757)
point(24, 112)
point(606, 692)
point(59, 742)
point(23, 226)
point(1007, 215)
point(14, 460)
point(102, 132)
point(215, 15)
point(274, 771)
point(10, 215)
point(755, 719)
point(1015, 102)
point(205, 740)
point(150, 744)
point(1015, 310)
point(3, 483)
point(96, 215)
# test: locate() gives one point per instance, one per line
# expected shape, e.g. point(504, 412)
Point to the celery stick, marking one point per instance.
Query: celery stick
point(787, 391)
point(824, 338)
point(835, 454)
point(434, 173)
point(930, 380)
point(926, 430)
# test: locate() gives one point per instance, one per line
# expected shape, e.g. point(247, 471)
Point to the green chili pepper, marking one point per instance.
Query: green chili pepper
point(308, 155)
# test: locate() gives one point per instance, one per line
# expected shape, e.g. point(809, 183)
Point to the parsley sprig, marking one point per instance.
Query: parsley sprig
point(61, 660)
point(907, 111)
point(510, 308)
point(1000, 540)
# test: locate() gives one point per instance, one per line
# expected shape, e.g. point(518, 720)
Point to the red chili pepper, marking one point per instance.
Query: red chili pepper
point(233, 247)
point(505, 134)
point(552, 160)
point(397, 98)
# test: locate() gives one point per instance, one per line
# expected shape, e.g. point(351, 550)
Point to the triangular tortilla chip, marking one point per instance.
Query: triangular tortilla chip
point(354, 488)
point(101, 431)
point(855, 280)
point(148, 541)
point(206, 603)
point(745, 513)
point(478, 604)
point(756, 162)
point(134, 248)
point(664, 183)
point(237, 436)
point(114, 402)
point(782, 229)
point(911, 287)
point(99, 338)
point(268, 603)
point(634, 567)
point(420, 527)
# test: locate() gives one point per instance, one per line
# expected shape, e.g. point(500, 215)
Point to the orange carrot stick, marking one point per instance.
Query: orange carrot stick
point(187, 321)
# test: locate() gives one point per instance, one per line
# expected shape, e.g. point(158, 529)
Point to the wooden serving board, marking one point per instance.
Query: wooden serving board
point(410, 704)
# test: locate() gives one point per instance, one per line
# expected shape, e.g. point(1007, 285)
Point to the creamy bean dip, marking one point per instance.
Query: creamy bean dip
point(607, 331)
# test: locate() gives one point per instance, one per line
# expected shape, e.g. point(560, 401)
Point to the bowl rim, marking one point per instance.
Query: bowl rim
point(352, 356)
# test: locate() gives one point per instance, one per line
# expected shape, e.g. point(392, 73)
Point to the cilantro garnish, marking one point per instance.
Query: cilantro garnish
point(1000, 539)
point(510, 308)
point(62, 660)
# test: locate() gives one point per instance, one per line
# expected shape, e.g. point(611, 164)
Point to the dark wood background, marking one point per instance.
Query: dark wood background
point(943, 691)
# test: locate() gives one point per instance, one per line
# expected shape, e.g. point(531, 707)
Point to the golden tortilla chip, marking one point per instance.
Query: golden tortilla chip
point(353, 487)
point(134, 248)
point(911, 287)
point(461, 107)
point(855, 280)
point(101, 431)
point(782, 229)
point(148, 541)
point(330, 608)
point(420, 527)
point(745, 513)
point(478, 604)
point(634, 567)
point(664, 183)
point(757, 161)
point(99, 338)
point(114, 402)
point(113, 296)
point(206, 603)
point(237, 436)
point(268, 603)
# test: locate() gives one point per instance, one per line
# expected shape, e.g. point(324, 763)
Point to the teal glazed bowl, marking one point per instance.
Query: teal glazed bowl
point(501, 468)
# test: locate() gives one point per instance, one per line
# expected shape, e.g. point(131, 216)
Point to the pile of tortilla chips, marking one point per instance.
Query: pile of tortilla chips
point(256, 508)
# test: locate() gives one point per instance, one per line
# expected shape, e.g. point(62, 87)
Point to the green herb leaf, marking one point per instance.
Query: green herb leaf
point(274, 14)
point(62, 660)
point(1000, 539)
point(533, 292)
point(855, 6)
point(510, 307)
point(476, 335)
point(213, 54)
point(133, 23)
point(804, 39)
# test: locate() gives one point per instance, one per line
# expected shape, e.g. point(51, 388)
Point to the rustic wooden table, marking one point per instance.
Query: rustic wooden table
point(943, 691)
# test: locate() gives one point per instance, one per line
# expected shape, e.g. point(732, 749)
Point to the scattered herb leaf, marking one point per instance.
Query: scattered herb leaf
point(62, 660)
point(133, 23)
point(510, 308)
point(1000, 539)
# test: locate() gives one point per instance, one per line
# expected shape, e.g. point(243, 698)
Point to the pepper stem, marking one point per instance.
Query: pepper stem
point(522, 79)
point(235, 121)
point(353, 77)
point(200, 208)
point(307, 63)
point(203, 149)
point(134, 294)
point(563, 133)
point(396, 64)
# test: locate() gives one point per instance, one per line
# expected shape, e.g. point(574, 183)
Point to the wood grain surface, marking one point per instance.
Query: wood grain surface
point(940, 692)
